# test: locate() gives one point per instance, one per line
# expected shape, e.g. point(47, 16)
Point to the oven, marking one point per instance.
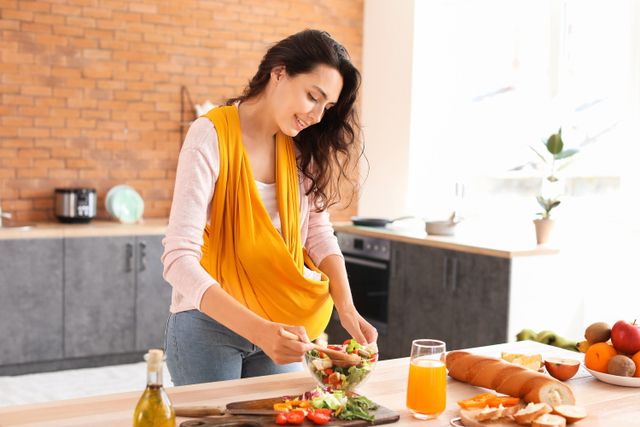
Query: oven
point(367, 260)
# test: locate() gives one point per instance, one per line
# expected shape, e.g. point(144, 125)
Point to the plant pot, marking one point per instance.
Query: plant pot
point(543, 229)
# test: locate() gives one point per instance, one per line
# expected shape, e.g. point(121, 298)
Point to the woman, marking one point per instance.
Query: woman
point(248, 223)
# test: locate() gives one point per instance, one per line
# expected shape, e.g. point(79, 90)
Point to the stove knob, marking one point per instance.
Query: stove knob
point(368, 246)
point(376, 247)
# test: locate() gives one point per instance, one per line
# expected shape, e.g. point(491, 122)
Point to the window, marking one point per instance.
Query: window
point(491, 77)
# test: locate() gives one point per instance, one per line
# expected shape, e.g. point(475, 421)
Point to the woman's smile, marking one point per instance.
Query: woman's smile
point(301, 124)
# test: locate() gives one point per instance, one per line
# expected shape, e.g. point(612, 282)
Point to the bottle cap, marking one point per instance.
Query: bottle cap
point(154, 360)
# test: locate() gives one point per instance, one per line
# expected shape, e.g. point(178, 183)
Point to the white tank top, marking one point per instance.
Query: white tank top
point(270, 201)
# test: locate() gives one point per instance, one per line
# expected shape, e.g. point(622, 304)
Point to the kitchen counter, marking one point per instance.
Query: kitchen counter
point(607, 404)
point(94, 228)
point(502, 244)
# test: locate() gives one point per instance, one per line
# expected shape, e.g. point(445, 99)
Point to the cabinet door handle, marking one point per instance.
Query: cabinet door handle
point(129, 256)
point(444, 273)
point(143, 255)
point(454, 273)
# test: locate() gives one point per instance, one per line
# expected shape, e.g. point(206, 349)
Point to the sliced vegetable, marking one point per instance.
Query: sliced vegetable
point(281, 418)
point(295, 417)
point(479, 401)
point(284, 407)
point(505, 401)
point(353, 346)
point(318, 417)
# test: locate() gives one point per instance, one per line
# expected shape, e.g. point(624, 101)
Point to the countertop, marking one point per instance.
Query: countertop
point(498, 243)
point(502, 244)
point(607, 404)
point(94, 228)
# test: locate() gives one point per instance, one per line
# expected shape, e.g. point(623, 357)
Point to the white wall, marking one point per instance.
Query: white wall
point(386, 105)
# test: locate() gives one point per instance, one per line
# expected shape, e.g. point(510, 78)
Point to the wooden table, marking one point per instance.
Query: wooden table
point(608, 405)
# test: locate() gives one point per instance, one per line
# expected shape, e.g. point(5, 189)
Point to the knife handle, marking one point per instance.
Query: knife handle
point(198, 411)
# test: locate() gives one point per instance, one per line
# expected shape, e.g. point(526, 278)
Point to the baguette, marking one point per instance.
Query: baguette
point(507, 378)
point(549, 421)
point(531, 412)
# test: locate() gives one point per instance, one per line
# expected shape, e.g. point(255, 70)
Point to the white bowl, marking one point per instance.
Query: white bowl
point(440, 228)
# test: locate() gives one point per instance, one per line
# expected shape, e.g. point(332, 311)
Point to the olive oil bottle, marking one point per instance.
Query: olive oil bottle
point(154, 407)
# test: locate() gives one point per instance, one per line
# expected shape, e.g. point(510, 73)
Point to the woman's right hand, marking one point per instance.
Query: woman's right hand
point(282, 350)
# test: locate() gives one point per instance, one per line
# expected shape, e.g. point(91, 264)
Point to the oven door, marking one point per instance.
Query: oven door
point(369, 281)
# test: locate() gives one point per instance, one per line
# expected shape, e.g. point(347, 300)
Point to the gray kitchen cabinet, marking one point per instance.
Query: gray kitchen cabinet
point(116, 300)
point(458, 297)
point(99, 293)
point(31, 287)
point(153, 293)
point(479, 294)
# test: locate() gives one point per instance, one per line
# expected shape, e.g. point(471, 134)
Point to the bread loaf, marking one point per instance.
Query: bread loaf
point(507, 378)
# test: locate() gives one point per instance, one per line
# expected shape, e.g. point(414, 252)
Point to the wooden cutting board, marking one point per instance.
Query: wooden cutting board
point(383, 416)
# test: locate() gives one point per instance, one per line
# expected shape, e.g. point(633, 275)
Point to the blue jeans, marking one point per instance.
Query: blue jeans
point(201, 350)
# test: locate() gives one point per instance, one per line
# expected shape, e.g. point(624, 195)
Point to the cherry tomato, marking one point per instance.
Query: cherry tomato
point(318, 417)
point(281, 418)
point(328, 371)
point(347, 342)
point(295, 417)
point(324, 411)
point(479, 401)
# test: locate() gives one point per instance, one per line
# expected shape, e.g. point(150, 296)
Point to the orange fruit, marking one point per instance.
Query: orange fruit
point(636, 360)
point(598, 355)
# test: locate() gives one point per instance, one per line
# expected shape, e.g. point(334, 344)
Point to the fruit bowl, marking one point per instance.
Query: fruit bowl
point(337, 374)
point(615, 379)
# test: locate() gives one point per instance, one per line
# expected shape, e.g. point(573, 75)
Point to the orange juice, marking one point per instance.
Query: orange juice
point(426, 393)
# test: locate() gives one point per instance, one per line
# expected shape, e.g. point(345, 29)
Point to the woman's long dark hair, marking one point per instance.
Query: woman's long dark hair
point(330, 149)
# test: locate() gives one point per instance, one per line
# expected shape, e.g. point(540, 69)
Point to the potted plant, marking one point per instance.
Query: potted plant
point(559, 159)
point(545, 224)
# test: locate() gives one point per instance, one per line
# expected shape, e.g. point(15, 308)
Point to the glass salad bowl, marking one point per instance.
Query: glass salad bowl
point(340, 374)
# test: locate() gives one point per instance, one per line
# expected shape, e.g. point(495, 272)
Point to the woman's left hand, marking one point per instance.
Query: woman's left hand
point(360, 329)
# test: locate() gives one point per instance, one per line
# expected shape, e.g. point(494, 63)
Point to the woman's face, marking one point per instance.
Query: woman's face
point(301, 101)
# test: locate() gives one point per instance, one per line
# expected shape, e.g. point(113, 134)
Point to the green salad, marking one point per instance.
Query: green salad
point(344, 407)
point(334, 377)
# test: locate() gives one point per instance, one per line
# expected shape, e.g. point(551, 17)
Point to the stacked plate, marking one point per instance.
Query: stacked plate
point(124, 204)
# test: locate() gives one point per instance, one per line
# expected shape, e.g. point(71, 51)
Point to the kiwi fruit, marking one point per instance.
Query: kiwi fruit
point(622, 366)
point(598, 332)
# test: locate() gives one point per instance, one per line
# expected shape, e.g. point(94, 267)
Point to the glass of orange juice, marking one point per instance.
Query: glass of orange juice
point(427, 389)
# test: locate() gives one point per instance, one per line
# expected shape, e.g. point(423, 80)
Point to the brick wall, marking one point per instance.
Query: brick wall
point(91, 89)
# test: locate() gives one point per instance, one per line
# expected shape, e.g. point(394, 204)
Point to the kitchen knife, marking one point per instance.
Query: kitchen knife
point(203, 411)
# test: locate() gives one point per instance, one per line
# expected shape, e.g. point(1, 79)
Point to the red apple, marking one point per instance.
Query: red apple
point(625, 336)
point(561, 369)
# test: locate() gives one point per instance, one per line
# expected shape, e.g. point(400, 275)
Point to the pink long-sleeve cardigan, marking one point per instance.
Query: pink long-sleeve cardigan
point(198, 167)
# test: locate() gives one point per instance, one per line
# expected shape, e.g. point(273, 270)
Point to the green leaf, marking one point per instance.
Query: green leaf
point(554, 144)
point(567, 153)
point(541, 202)
point(555, 204)
point(552, 178)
